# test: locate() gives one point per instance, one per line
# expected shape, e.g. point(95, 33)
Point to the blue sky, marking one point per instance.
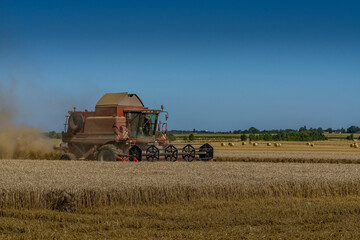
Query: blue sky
point(215, 65)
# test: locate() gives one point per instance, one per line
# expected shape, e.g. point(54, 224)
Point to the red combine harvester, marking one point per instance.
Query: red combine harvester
point(121, 128)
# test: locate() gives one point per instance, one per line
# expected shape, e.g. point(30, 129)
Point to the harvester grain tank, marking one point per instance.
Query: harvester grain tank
point(122, 128)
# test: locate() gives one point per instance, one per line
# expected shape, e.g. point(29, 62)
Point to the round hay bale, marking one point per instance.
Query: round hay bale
point(254, 144)
point(269, 144)
point(308, 144)
point(312, 145)
point(356, 145)
point(243, 143)
point(231, 144)
point(222, 144)
point(351, 145)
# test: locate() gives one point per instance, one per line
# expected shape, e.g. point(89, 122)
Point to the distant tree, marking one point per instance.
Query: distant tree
point(53, 134)
point(252, 137)
point(320, 130)
point(185, 138)
point(329, 130)
point(268, 137)
point(243, 137)
point(350, 137)
point(353, 129)
point(259, 137)
point(171, 137)
point(191, 137)
point(303, 129)
point(253, 130)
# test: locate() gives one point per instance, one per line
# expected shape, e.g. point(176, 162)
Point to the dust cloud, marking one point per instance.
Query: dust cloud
point(20, 141)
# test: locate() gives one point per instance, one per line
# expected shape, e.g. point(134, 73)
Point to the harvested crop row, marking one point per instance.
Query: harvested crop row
point(63, 184)
point(287, 157)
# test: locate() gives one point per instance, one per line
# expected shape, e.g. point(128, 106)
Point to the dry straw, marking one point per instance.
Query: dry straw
point(66, 185)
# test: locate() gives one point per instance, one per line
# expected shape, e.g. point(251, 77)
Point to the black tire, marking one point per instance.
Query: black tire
point(68, 156)
point(76, 122)
point(108, 153)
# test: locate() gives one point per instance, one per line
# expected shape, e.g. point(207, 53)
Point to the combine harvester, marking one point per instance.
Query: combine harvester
point(121, 128)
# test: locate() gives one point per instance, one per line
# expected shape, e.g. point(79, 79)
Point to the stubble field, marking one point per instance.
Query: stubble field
point(333, 151)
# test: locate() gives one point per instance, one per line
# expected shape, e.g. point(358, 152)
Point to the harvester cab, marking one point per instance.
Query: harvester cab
point(122, 128)
point(141, 123)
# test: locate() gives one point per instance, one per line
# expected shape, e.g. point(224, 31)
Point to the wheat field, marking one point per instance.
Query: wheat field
point(178, 200)
point(33, 183)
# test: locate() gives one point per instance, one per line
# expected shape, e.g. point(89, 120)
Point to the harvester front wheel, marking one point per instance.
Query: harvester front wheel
point(108, 152)
point(68, 156)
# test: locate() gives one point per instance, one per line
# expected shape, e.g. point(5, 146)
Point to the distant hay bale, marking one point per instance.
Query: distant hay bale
point(243, 143)
point(308, 144)
point(312, 145)
point(356, 145)
point(277, 144)
point(269, 144)
point(231, 144)
point(254, 144)
point(223, 144)
point(351, 145)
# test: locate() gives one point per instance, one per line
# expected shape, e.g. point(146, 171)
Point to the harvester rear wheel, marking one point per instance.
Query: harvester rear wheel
point(68, 156)
point(108, 152)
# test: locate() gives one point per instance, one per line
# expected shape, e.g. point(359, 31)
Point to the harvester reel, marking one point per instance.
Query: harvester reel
point(152, 153)
point(188, 153)
point(208, 152)
point(171, 153)
point(135, 152)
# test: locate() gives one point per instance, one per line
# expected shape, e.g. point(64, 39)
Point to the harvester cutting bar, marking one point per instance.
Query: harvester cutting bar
point(171, 153)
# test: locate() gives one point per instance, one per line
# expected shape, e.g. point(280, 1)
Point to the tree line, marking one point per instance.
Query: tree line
point(285, 136)
point(253, 130)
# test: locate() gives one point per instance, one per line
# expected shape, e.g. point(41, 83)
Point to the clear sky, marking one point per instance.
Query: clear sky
point(215, 65)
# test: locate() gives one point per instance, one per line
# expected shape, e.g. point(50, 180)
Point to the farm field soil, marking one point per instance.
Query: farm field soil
point(256, 218)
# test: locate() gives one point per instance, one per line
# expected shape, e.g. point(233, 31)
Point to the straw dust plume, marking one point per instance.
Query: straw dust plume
point(19, 141)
